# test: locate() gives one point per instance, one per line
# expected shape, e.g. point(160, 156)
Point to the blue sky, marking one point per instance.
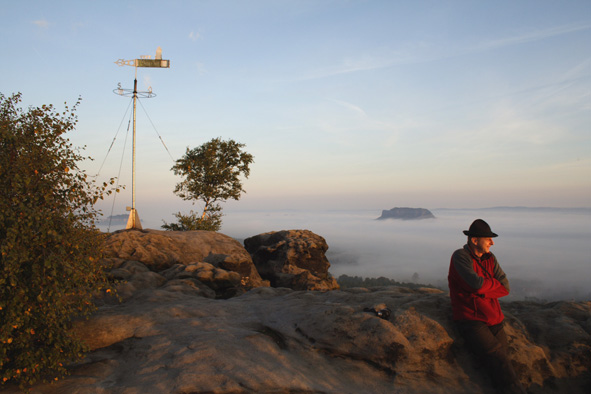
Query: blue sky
point(344, 104)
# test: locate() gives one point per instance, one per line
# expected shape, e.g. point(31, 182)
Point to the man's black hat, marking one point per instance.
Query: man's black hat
point(480, 229)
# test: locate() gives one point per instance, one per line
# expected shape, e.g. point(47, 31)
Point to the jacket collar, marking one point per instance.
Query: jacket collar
point(471, 252)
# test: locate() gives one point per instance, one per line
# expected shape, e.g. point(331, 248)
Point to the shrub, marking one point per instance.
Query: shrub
point(194, 221)
point(48, 242)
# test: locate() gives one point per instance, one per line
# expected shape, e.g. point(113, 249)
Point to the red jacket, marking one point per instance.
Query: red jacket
point(475, 284)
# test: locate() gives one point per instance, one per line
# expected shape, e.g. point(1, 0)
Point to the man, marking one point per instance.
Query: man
point(476, 281)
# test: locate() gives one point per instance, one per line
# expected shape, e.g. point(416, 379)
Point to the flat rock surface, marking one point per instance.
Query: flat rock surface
point(277, 340)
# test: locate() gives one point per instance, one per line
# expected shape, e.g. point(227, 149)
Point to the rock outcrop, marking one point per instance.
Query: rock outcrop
point(205, 258)
point(173, 334)
point(295, 259)
point(407, 214)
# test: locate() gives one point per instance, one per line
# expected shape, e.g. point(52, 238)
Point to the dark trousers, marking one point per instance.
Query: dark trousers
point(489, 344)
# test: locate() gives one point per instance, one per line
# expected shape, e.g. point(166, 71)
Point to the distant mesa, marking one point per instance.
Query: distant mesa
point(117, 218)
point(407, 214)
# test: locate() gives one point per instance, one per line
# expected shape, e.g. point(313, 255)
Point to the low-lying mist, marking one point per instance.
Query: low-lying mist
point(546, 253)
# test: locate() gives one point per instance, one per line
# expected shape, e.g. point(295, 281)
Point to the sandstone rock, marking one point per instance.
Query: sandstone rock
point(160, 250)
point(226, 283)
point(269, 340)
point(293, 258)
point(559, 330)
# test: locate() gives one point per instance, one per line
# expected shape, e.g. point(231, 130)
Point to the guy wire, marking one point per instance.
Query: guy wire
point(113, 142)
point(119, 175)
point(158, 134)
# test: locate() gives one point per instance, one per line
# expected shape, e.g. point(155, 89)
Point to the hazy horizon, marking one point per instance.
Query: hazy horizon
point(545, 252)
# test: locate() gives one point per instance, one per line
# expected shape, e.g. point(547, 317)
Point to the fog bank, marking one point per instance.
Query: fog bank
point(545, 252)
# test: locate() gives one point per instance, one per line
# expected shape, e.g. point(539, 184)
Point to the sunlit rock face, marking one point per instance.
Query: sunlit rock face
point(177, 331)
point(212, 259)
point(295, 259)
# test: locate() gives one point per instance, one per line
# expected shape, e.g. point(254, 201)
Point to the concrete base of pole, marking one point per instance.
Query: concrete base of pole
point(134, 220)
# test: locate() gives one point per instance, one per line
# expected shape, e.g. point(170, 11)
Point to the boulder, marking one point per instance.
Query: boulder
point(224, 283)
point(295, 259)
point(231, 267)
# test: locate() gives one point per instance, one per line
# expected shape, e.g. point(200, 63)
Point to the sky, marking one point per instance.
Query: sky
point(344, 104)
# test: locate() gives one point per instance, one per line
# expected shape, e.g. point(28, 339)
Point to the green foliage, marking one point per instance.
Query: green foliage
point(194, 221)
point(48, 243)
point(211, 175)
point(346, 282)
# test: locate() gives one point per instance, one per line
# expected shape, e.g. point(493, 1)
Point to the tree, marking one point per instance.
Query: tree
point(49, 246)
point(211, 175)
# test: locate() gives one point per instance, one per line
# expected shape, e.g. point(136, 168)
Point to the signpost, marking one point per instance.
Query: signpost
point(145, 61)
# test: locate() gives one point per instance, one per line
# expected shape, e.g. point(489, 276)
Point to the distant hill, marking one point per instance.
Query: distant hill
point(116, 218)
point(407, 214)
point(576, 210)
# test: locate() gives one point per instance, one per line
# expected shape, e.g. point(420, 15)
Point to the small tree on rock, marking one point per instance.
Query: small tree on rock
point(49, 246)
point(211, 175)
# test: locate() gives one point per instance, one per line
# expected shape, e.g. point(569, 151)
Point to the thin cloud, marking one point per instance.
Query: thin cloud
point(42, 23)
point(581, 69)
point(194, 36)
point(531, 36)
point(422, 54)
point(363, 63)
point(350, 106)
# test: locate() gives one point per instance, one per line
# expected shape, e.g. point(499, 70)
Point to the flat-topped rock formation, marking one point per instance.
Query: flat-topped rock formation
point(407, 214)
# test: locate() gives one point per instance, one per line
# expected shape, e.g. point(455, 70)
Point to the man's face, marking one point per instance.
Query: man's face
point(482, 245)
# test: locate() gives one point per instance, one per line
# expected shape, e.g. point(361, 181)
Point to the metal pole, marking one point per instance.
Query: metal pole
point(133, 164)
point(134, 219)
